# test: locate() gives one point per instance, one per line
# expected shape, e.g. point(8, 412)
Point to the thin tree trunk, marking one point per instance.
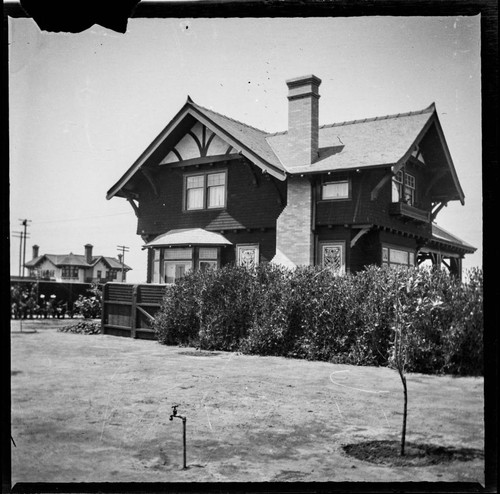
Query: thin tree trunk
point(405, 412)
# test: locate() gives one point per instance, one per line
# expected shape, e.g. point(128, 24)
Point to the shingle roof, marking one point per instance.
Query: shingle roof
point(359, 143)
point(251, 137)
point(193, 236)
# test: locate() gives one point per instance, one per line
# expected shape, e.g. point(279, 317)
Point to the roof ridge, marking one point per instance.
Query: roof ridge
point(228, 118)
point(429, 109)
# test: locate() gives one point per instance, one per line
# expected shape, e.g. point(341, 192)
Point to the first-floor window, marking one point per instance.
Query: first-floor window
point(333, 256)
point(247, 255)
point(208, 258)
point(171, 264)
point(176, 263)
point(392, 256)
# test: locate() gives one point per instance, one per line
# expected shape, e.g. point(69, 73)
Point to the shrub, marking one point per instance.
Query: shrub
point(311, 313)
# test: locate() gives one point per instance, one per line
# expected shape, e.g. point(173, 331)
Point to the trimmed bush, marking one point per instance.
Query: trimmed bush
point(311, 313)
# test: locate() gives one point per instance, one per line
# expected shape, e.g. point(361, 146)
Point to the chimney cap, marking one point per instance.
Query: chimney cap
point(305, 79)
point(88, 245)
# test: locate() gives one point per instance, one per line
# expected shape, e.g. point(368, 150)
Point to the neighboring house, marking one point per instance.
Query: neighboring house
point(210, 190)
point(74, 268)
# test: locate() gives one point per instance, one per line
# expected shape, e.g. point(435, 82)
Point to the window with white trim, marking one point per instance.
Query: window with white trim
point(176, 263)
point(173, 263)
point(392, 256)
point(208, 258)
point(335, 190)
point(403, 187)
point(205, 191)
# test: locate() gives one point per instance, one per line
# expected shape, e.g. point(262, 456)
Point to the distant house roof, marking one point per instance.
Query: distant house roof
point(76, 260)
point(372, 142)
point(193, 236)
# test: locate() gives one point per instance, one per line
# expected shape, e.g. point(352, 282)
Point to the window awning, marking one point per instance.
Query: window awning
point(193, 236)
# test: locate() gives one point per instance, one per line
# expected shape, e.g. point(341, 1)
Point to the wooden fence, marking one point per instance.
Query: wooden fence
point(127, 310)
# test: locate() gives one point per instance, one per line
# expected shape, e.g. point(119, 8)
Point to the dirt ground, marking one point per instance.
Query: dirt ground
point(95, 408)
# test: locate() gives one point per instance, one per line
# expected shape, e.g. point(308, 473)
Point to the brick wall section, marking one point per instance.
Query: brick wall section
point(294, 235)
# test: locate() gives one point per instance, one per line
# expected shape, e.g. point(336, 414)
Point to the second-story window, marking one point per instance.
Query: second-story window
point(205, 191)
point(403, 188)
point(335, 190)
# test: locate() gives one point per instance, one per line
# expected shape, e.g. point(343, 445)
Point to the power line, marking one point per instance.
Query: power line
point(24, 223)
point(84, 218)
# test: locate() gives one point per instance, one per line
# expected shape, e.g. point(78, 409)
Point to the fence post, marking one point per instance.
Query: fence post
point(133, 311)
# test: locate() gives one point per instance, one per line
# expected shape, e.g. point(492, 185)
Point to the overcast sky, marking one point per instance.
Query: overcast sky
point(84, 106)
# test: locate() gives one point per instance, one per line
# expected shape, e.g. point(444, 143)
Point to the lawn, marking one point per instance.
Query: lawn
point(95, 408)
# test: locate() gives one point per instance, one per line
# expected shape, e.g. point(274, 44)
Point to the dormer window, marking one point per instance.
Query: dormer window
point(205, 191)
point(403, 188)
point(335, 190)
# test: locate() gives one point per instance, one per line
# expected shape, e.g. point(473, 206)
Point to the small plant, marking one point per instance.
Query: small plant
point(90, 307)
point(410, 308)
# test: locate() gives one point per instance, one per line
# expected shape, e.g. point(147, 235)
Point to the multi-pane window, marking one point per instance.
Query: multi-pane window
point(205, 191)
point(397, 257)
point(173, 263)
point(176, 263)
point(69, 272)
point(403, 188)
point(207, 258)
point(335, 190)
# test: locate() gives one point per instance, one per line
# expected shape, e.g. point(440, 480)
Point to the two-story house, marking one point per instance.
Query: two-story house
point(210, 190)
point(75, 268)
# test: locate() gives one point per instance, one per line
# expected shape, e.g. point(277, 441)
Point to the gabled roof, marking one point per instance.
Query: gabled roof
point(248, 141)
point(372, 142)
point(192, 236)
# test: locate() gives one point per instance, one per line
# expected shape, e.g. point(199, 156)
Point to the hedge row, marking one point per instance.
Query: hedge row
point(311, 313)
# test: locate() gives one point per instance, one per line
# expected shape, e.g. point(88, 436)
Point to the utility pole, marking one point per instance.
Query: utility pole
point(24, 223)
point(20, 236)
point(123, 249)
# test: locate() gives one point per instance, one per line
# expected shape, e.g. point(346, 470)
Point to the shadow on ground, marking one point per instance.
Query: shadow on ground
point(388, 452)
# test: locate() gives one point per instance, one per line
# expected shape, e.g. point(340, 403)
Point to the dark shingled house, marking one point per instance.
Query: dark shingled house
point(210, 190)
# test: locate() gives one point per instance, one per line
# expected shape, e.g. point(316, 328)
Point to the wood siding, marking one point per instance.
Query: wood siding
point(361, 209)
point(253, 201)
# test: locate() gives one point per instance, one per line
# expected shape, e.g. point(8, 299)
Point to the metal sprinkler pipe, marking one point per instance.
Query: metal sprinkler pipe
point(174, 414)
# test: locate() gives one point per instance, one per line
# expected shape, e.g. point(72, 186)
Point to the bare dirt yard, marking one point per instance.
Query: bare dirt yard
point(96, 408)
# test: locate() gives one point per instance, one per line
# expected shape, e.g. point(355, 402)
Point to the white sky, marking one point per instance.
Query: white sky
point(84, 106)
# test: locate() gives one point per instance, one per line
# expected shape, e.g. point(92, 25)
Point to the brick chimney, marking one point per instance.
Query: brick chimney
point(303, 120)
point(88, 252)
point(294, 234)
point(35, 251)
